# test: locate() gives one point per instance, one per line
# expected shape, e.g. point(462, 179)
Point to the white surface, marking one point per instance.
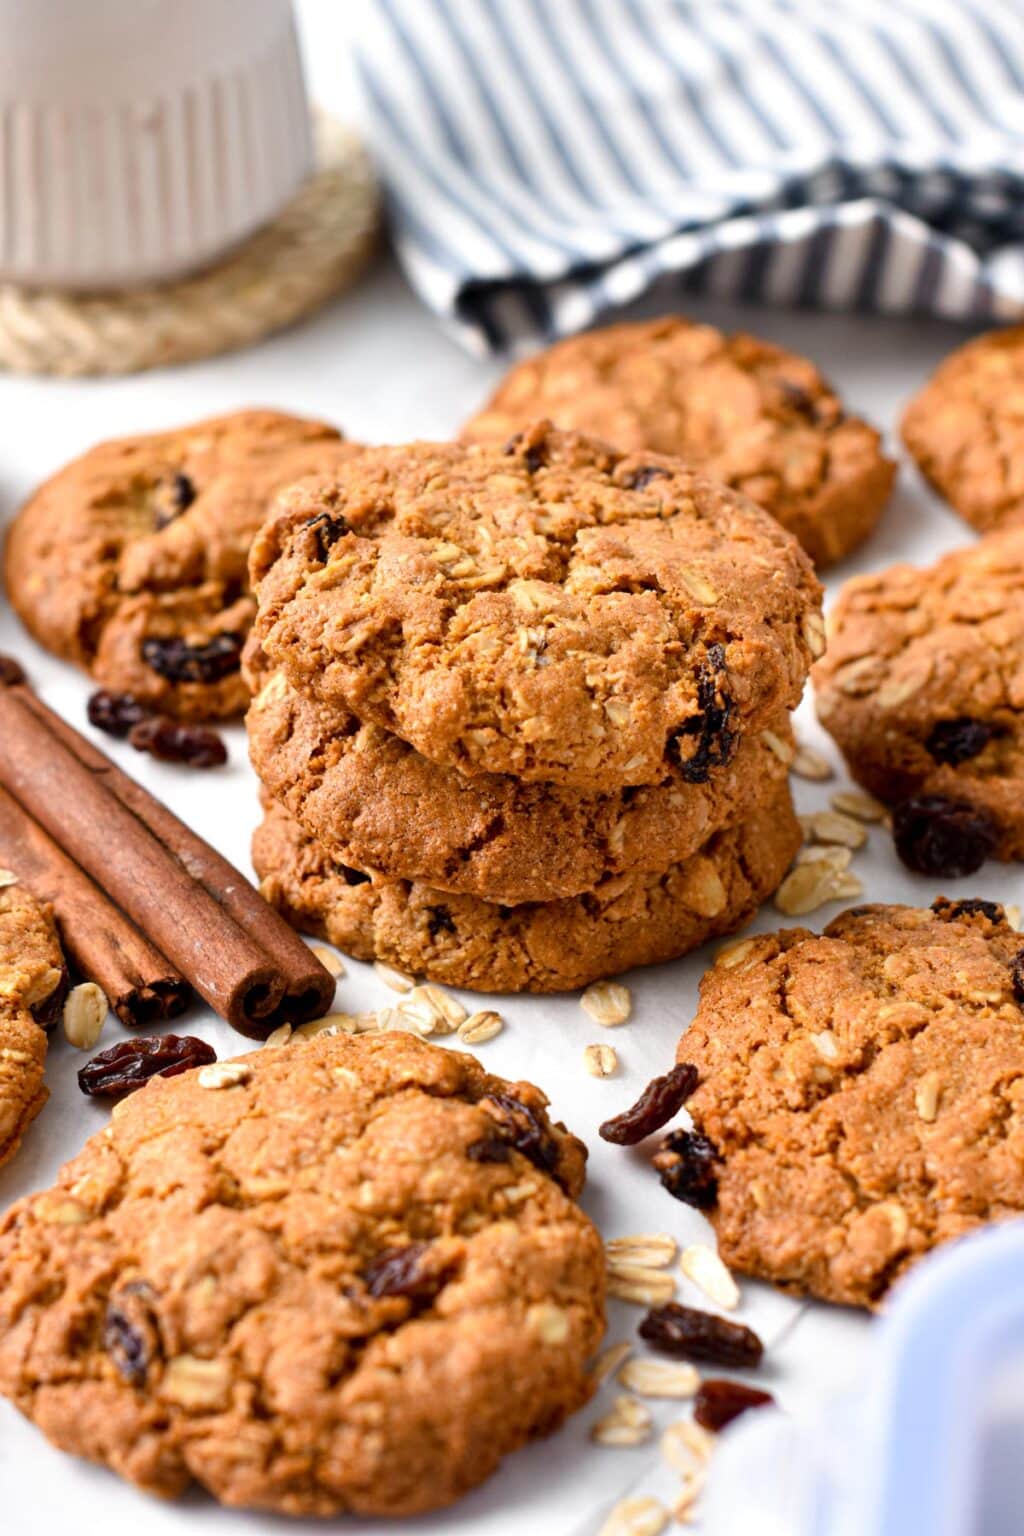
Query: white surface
point(378, 365)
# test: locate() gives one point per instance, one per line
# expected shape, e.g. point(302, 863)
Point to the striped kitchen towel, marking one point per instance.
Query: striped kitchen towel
point(548, 160)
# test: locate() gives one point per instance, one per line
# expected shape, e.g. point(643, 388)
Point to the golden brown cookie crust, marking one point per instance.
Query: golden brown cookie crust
point(32, 976)
point(865, 1091)
point(372, 801)
point(966, 429)
point(629, 920)
point(148, 538)
point(923, 682)
point(748, 413)
point(554, 610)
point(212, 1292)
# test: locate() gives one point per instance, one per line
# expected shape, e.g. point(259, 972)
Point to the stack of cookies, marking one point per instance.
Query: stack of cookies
point(522, 710)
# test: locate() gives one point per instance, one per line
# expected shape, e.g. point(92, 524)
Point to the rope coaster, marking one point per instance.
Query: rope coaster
point(319, 244)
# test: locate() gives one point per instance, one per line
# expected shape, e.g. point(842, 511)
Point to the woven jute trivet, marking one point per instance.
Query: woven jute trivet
point(318, 245)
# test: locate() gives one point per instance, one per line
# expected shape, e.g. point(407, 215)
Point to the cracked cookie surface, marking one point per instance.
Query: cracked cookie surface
point(922, 686)
point(33, 982)
point(864, 1090)
point(966, 429)
point(372, 801)
point(144, 541)
point(748, 413)
point(353, 1281)
point(627, 920)
point(553, 610)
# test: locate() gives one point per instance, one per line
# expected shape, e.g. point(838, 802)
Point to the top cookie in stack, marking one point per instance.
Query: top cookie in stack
point(522, 709)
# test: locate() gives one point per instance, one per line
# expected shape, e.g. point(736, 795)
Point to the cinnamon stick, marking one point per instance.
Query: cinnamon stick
point(237, 953)
point(103, 945)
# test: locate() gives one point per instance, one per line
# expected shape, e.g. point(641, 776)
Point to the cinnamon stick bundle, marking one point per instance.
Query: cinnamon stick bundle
point(194, 906)
point(103, 945)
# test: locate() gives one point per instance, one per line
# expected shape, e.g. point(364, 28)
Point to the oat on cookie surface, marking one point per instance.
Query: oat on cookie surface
point(628, 920)
point(131, 560)
point(744, 410)
point(33, 982)
point(923, 682)
point(966, 429)
point(373, 802)
point(550, 609)
point(863, 1092)
point(354, 1281)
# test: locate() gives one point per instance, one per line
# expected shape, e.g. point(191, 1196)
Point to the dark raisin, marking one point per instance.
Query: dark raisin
point(11, 672)
point(660, 1100)
point(131, 1063)
point(641, 478)
point(956, 741)
point(797, 398)
point(939, 837)
point(115, 713)
point(691, 1334)
point(179, 662)
point(173, 497)
point(130, 1334)
point(402, 1272)
point(171, 742)
point(328, 528)
point(48, 1012)
point(718, 1402)
point(351, 876)
point(1017, 977)
point(489, 1150)
point(971, 906)
point(705, 741)
point(439, 921)
point(686, 1164)
point(535, 455)
point(524, 1130)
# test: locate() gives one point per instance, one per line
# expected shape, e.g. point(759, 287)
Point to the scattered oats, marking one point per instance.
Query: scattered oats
point(808, 764)
point(784, 750)
point(834, 827)
point(329, 960)
point(806, 887)
point(548, 1323)
point(366, 1023)
point(607, 1002)
point(419, 1013)
point(397, 980)
point(859, 804)
point(600, 1060)
point(450, 1013)
point(660, 1378)
point(85, 1011)
point(926, 1098)
point(651, 1250)
point(849, 887)
point(702, 1265)
point(608, 1361)
point(813, 628)
point(807, 827)
point(838, 859)
point(1013, 915)
point(480, 1027)
point(7, 877)
point(279, 1036)
point(825, 1044)
point(686, 1446)
point(636, 1517)
point(639, 1284)
point(685, 1503)
point(390, 1018)
point(628, 1423)
point(330, 1024)
point(224, 1074)
point(731, 955)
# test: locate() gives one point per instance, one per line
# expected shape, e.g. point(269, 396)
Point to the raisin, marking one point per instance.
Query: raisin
point(172, 498)
point(328, 528)
point(351, 876)
point(401, 1272)
point(641, 478)
point(718, 1402)
point(936, 836)
point(11, 672)
point(797, 398)
point(522, 1129)
point(685, 1162)
point(690, 1334)
point(489, 1150)
point(171, 742)
point(971, 906)
point(131, 1063)
point(535, 455)
point(180, 662)
point(714, 742)
point(48, 1012)
point(1017, 977)
point(130, 1334)
point(660, 1100)
point(956, 741)
point(115, 713)
point(439, 921)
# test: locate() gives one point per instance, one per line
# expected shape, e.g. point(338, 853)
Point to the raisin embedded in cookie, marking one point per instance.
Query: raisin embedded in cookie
point(372, 801)
point(33, 982)
point(966, 429)
point(747, 412)
point(550, 609)
point(863, 1092)
point(350, 1276)
point(627, 920)
point(131, 561)
point(923, 684)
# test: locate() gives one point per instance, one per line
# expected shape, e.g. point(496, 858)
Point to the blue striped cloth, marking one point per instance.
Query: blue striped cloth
point(548, 160)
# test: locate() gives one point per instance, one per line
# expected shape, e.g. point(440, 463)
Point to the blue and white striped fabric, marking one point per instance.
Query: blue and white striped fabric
point(548, 160)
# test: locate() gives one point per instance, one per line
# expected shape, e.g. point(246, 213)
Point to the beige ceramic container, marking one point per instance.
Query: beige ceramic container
point(140, 139)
